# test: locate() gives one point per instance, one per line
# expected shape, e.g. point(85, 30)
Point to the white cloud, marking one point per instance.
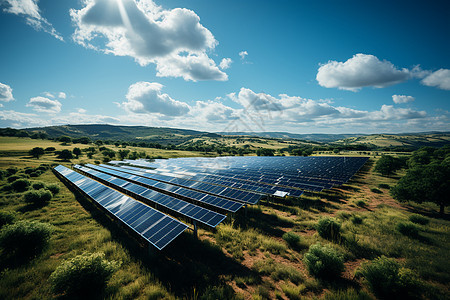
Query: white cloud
point(18, 119)
point(243, 54)
point(174, 40)
point(402, 99)
point(81, 110)
point(225, 63)
point(360, 71)
point(30, 10)
point(62, 95)
point(45, 105)
point(48, 94)
point(146, 98)
point(5, 93)
point(439, 78)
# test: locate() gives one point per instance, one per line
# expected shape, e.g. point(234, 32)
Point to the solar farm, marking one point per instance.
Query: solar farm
point(158, 200)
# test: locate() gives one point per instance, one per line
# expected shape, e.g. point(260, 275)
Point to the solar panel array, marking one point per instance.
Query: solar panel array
point(265, 175)
point(200, 189)
point(152, 225)
point(174, 190)
point(217, 190)
point(174, 205)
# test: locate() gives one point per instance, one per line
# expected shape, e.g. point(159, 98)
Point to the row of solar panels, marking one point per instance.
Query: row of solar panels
point(155, 227)
point(139, 217)
point(262, 174)
point(317, 167)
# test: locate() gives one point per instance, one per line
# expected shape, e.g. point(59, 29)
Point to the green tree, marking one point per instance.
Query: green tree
point(36, 152)
point(77, 152)
point(387, 165)
point(65, 155)
point(65, 139)
point(429, 183)
point(123, 153)
point(265, 152)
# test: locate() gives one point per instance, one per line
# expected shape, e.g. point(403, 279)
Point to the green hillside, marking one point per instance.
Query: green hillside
point(412, 140)
point(123, 133)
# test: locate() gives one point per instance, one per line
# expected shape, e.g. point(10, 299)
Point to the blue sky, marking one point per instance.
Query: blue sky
point(296, 66)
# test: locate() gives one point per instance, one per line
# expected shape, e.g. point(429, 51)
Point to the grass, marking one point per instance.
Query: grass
point(244, 259)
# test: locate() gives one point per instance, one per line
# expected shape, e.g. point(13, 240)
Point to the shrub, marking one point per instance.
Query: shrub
point(54, 188)
point(29, 170)
point(39, 197)
point(6, 187)
point(25, 238)
point(49, 149)
point(11, 171)
point(38, 185)
point(376, 191)
point(384, 186)
point(419, 219)
point(20, 185)
point(408, 229)
point(6, 218)
point(387, 279)
point(328, 228)
point(83, 275)
point(356, 219)
point(324, 261)
point(13, 178)
point(361, 203)
point(36, 173)
point(291, 238)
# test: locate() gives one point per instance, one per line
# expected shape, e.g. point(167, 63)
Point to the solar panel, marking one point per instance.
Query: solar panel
point(225, 192)
point(173, 190)
point(186, 209)
point(152, 225)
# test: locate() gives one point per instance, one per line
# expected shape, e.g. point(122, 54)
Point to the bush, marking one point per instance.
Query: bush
point(11, 171)
point(39, 197)
point(361, 203)
point(419, 219)
point(384, 186)
point(328, 228)
point(6, 187)
point(83, 275)
point(38, 185)
point(6, 218)
point(376, 191)
point(25, 238)
point(36, 173)
point(291, 238)
point(20, 185)
point(13, 178)
point(54, 188)
point(408, 229)
point(324, 261)
point(356, 219)
point(387, 279)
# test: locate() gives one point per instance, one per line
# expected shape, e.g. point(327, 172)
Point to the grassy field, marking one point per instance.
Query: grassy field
point(245, 258)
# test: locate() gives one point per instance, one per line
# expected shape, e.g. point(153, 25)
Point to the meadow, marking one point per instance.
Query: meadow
point(257, 255)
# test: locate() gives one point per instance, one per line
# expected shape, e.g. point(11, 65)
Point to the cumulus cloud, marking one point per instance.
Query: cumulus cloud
point(360, 71)
point(243, 54)
point(402, 99)
point(62, 95)
point(45, 105)
point(5, 93)
point(147, 98)
point(174, 40)
point(225, 63)
point(439, 78)
point(29, 9)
